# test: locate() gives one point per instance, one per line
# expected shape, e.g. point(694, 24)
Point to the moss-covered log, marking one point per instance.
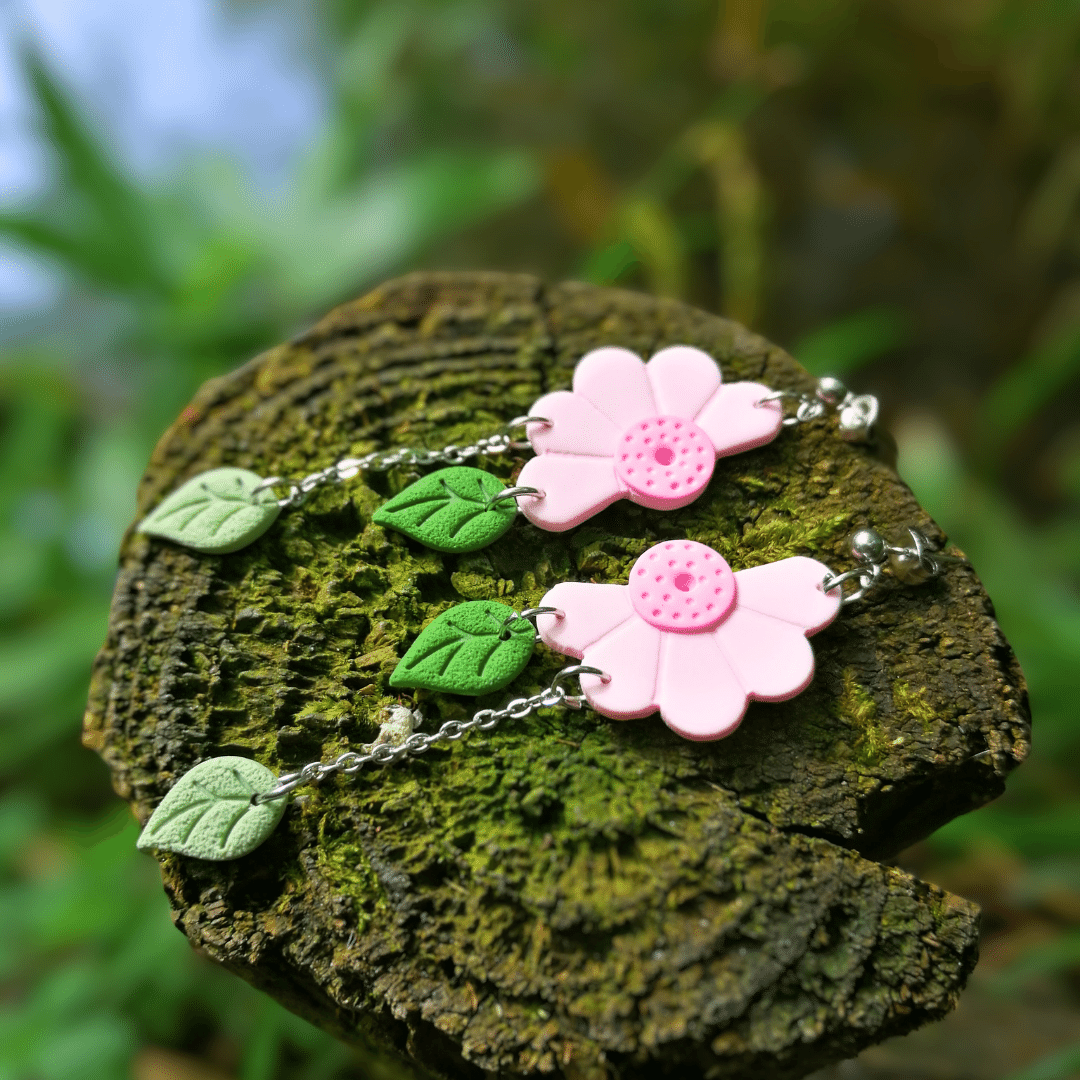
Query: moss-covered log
point(567, 894)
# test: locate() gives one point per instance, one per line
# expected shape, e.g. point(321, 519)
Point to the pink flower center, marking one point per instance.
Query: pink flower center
point(665, 460)
point(682, 586)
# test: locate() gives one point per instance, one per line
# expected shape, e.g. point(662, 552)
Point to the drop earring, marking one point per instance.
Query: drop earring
point(647, 432)
point(686, 636)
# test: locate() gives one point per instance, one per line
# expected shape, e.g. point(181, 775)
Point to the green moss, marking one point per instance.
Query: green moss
point(858, 708)
point(908, 702)
point(563, 866)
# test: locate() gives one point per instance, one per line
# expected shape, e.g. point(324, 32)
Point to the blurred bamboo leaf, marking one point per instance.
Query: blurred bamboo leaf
point(651, 232)
point(1050, 958)
point(1017, 397)
point(1045, 222)
point(1060, 1066)
point(848, 343)
point(52, 654)
point(720, 146)
point(1043, 830)
point(108, 232)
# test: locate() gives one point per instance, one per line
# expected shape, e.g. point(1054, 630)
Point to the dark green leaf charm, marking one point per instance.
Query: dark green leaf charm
point(450, 510)
point(470, 649)
point(209, 814)
point(214, 512)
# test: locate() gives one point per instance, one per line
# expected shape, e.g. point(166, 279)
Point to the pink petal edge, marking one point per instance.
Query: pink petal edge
point(698, 692)
point(772, 659)
point(614, 380)
point(575, 487)
point(789, 590)
point(734, 422)
point(683, 379)
point(590, 613)
point(577, 427)
point(630, 655)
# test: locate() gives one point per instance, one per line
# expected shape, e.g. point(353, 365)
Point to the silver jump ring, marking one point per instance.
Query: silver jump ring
point(513, 493)
point(521, 421)
point(579, 669)
point(865, 576)
point(531, 613)
point(269, 482)
point(776, 395)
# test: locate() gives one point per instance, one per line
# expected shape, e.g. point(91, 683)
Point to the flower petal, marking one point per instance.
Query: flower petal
point(577, 428)
point(630, 655)
point(614, 380)
point(773, 659)
point(735, 422)
point(789, 590)
point(683, 379)
point(699, 694)
point(575, 487)
point(589, 612)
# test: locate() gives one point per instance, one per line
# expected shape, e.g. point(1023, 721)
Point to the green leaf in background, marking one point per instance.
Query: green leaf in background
point(1025, 389)
point(450, 510)
point(469, 649)
point(209, 813)
point(1060, 1066)
point(852, 341)
point(214, 512)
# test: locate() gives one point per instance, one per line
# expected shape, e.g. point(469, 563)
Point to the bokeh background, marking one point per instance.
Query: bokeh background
point(889, 188)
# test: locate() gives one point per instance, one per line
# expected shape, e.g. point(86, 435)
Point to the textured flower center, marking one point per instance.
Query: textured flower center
point(682, 586)
point(666, 460)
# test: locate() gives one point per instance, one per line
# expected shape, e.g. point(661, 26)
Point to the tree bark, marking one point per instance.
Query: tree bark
point(567, 895)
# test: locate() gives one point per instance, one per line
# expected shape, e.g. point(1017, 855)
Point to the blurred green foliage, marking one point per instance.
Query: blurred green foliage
point(888, 187)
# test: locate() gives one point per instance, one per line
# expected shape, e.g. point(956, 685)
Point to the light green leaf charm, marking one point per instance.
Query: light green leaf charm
point(470, 649)
point(450, 510)
point(214, 512)
point(209, 813)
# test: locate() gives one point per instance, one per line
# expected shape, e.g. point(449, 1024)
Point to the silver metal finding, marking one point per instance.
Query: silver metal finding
point(570, 672)
point(513, 493)
point(381, 460)
point(532, 612)
point(856, 413)
point(911, 563)
point(351, 762)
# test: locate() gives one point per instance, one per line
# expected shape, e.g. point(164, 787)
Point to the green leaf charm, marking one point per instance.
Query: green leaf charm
point(450, 510)
point(215, 512)
point(470, 649)
point(209, 813)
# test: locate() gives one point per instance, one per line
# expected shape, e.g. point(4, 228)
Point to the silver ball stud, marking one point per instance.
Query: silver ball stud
point(831, 390)
point(868, 545)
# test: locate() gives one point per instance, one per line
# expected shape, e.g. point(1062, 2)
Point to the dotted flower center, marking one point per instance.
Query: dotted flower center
point(682, 586)
point(666, 459)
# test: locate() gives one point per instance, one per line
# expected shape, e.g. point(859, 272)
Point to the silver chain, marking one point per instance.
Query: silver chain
point(381, 460)
point(856, 413)
point(351, 762)
point(912, 563)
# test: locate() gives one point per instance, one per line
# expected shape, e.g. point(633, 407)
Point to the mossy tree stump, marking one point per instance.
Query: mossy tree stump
point(566, 895)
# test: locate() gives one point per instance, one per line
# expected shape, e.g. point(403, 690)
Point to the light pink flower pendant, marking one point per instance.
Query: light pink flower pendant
point(690, 639)
point(650, 433)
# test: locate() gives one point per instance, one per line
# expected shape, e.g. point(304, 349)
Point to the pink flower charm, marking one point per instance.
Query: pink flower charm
point(650, 433)
point(690, 638)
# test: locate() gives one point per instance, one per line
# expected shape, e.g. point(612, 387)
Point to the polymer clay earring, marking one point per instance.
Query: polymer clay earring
point(686, 636)
point(690, 639)
point(647, 432)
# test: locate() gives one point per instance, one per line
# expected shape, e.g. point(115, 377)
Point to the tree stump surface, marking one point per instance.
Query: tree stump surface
point(566, 895)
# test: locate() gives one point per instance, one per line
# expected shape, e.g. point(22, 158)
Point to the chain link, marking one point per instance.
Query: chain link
point(381, 460)
point(351, 762)
point(912, 563)
point(856, 413)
